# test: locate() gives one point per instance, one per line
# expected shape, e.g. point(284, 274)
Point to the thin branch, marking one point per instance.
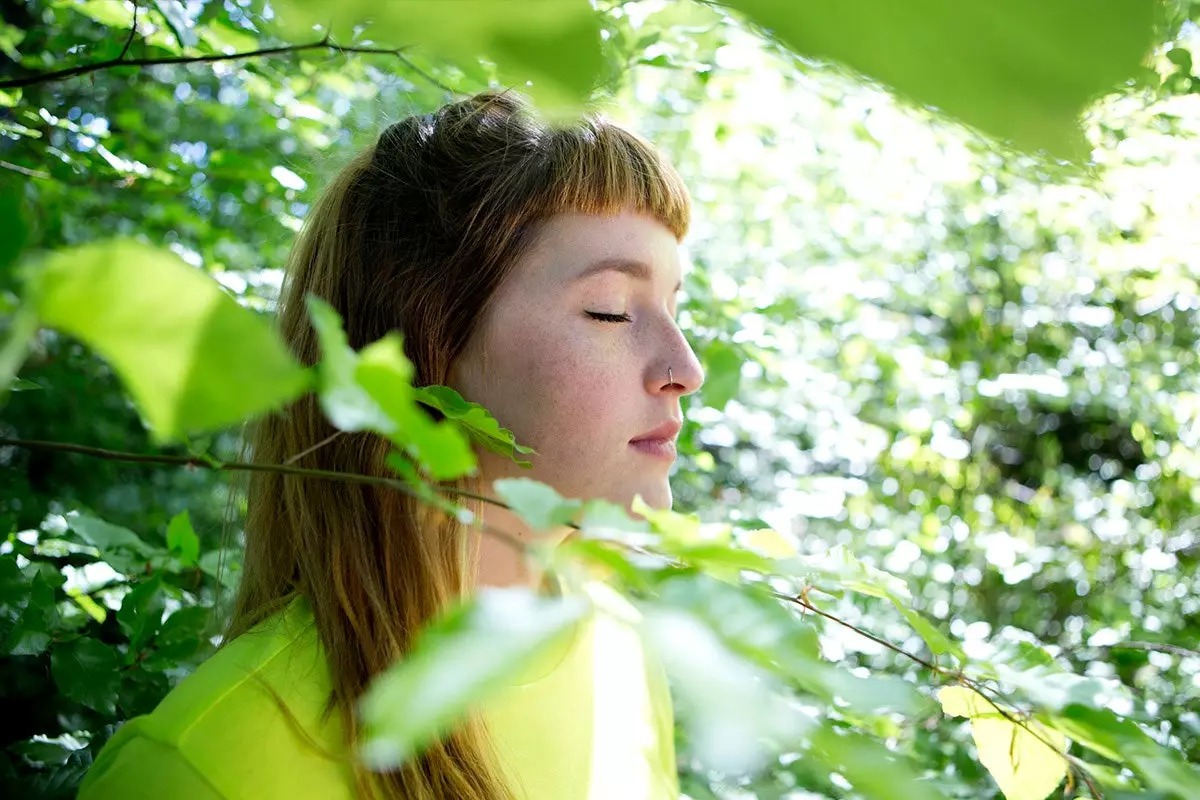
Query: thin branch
point(207, 462)
point(1161, 647)
point(120, 61)
point(958, 677)
point(26, 171)
point(132, 33)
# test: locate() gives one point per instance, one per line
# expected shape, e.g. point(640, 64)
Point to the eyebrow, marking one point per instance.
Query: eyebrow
point(638, 270)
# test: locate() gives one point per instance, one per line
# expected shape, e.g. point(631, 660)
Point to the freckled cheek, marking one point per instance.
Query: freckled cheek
point(566, 388)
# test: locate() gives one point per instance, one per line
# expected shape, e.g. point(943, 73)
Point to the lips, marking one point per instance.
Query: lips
point(658, 442)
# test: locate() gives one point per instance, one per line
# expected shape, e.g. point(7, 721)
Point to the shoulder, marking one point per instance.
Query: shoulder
point(249, 722)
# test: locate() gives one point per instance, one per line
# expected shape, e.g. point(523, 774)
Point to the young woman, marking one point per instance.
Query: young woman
point(534, 268)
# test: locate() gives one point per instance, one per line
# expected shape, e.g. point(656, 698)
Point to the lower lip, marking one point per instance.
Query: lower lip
point(657, 448)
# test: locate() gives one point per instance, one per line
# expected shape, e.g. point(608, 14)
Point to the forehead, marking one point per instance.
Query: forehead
point(576, 246)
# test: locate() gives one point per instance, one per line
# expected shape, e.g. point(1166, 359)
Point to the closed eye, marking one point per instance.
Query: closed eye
point(601, 317)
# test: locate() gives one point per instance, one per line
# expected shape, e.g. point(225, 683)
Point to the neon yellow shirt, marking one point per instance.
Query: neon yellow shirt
point(592, 723)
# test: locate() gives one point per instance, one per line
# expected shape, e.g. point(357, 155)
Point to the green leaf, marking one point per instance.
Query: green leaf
point(38, 611)
point(141, 612)
point(120, 547)
point(1124, 742)
point(193, 358)
point(88, 672)
point(182, 540)
point(475, 419)
point(536, 503)
point(723, 374)
point(875, 773)
point(111, 13)
point(555, 45)
point(602, 519)
point(1053, 688)
point(20, 333)
point(1026, 760)
point(730, 707)
point(439, 447)
point(464, 656)
point(1022, 70)
point(676, 527)
point(347, 404)
point(225, 39)
point(372, 390)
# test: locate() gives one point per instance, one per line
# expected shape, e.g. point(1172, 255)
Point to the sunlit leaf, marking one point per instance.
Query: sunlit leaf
point(462, 658)
point(1025, 760)
point(536, 503)
point(191, 356)
point(555, 45)
point(1022, 70)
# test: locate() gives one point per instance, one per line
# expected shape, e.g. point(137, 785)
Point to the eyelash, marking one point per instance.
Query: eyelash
point(600, 317)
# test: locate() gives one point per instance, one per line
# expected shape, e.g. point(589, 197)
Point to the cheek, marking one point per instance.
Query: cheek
point(559, 390)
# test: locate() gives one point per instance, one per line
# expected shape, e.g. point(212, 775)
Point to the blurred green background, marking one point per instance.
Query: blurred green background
point(968, 360)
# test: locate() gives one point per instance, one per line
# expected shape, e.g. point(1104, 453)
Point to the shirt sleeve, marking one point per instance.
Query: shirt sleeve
point(133, 766)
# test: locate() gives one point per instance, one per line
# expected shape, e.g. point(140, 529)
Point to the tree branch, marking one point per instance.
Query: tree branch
point(121, 61)
point(208, 462)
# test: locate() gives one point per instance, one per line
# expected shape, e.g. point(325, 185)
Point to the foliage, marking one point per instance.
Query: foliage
point(926, 354)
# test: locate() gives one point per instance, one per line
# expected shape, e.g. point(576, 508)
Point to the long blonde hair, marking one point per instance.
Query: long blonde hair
point(414, 235)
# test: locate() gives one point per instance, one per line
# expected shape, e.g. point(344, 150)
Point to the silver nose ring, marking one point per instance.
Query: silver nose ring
point(670, 377)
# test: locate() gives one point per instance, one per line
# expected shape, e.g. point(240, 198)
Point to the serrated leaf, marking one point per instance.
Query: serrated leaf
point(372, 390)
point(476, 420)
point(141, 612)
point(1026, 760)
point(459, 660)
point(182, 539)
point(88, 672)
point(191, 356)
point(536, 503)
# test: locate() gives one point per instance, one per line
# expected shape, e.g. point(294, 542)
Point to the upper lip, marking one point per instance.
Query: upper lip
point(668, 430)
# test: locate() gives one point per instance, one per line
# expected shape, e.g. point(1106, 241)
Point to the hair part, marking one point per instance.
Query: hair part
point(414, 235)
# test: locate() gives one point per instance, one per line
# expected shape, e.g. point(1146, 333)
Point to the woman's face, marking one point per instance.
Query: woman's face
point(579, 354)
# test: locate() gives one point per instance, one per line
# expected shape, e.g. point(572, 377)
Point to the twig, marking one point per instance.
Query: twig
point(958, 677)
point(132, 32)
point(205, 462)
point(26, 171)
point(120, 61)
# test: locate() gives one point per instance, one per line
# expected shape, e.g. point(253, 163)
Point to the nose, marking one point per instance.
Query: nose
point(676, 370)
